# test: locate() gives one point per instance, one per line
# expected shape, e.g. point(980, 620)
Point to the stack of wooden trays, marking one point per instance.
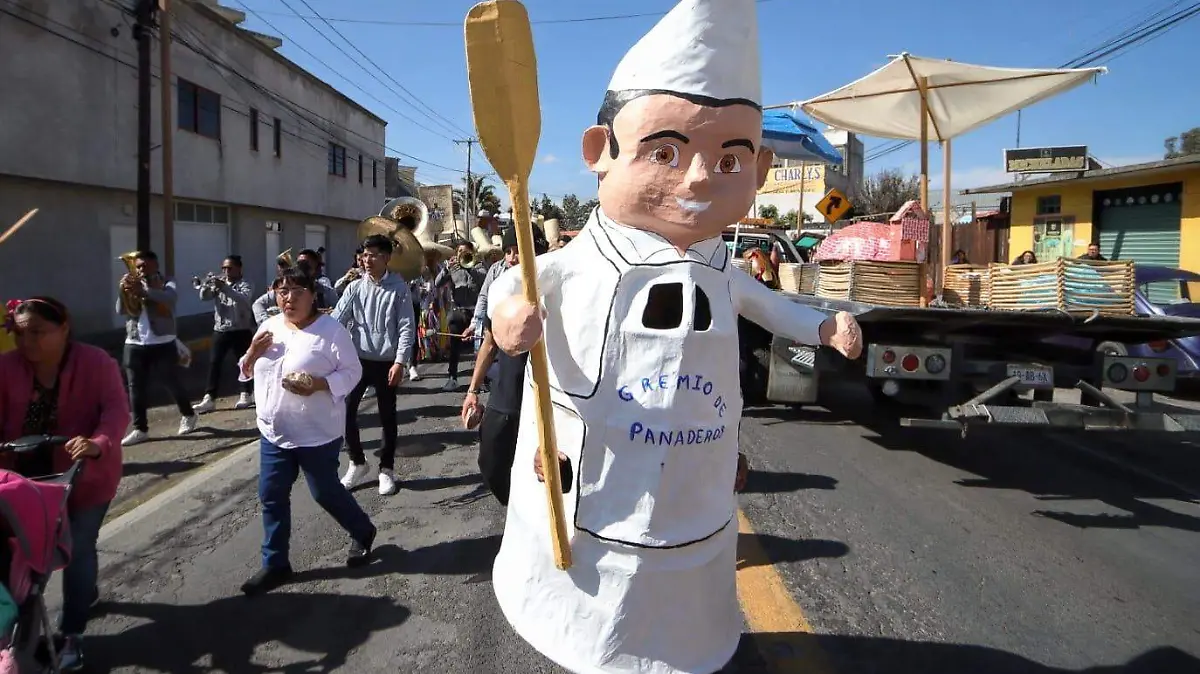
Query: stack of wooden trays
point(889, 284)
point(790, 276)
point(966, 285)
point(810, 273)
point(1076, 286)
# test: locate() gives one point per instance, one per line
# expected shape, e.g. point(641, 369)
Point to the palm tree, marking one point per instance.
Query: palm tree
point(476, 195)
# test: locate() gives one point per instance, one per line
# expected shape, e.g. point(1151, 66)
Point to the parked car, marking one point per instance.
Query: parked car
point(1164, 291)
point(767, 240)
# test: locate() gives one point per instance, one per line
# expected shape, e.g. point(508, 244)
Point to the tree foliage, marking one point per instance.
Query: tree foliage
point(575, 214)
point(1183, 145)
point(769, 212)
point(886, 192)
point(548, 209)
point(481, 196)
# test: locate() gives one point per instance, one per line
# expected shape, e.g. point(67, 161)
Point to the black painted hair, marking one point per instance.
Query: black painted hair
point(46, 308)
point(379, 242)
point(615, 101)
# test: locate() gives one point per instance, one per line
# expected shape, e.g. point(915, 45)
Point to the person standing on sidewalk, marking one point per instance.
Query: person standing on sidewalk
point(54, 385)
point(464, 275)
point(150, 345)
point(306, 365)
point(233, 328)
point(378, 311)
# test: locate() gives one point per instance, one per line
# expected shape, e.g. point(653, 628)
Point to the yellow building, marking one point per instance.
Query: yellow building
point(1148, 213)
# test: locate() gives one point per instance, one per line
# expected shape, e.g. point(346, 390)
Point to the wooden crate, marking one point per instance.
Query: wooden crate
point(1076, 286)
point(966, 285)
point(810, 274)
point(890, 284)
point(790, 276)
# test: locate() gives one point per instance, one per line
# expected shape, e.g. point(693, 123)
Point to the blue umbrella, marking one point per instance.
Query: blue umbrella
point(791, 137)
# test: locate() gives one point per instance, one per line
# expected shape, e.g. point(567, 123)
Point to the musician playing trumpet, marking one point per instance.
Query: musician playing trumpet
point(355, 272)
point(147, 301)
point(233, 328)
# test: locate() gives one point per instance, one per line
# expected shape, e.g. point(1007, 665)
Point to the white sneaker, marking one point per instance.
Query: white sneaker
point(187, 424)
point(353, 474)
point(205, 406)
point(244, 401)
point(369, 392)
point(413, 375)
point(450, 385)
point(387, 482)
point(134, 437)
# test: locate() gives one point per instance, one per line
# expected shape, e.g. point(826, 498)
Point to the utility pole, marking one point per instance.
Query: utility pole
point(168, 132)
point(469, 192)
point(141, 33)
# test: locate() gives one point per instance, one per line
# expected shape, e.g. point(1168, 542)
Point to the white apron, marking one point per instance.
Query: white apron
point(651, 509)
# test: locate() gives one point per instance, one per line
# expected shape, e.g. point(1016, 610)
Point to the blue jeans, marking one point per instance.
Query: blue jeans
point(80, 576)
point(279, 468)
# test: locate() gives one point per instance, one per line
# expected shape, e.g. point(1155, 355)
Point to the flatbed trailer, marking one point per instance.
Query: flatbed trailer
point(974, 367)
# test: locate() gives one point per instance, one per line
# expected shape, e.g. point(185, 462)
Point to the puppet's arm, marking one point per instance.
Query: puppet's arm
point(516, 324)
point(781, 316)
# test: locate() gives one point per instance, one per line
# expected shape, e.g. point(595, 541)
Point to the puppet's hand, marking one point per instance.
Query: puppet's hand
point(843, 334)
point(516, 326)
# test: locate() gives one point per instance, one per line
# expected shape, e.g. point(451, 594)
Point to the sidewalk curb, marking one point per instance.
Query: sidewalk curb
point(185, 486)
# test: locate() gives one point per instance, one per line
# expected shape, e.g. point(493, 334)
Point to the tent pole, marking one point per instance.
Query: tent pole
point(947, 224)
point(924, 150)
point(800, 212)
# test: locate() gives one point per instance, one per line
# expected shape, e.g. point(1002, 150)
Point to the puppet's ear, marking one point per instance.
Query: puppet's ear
point(765, 157)
point(595, 149)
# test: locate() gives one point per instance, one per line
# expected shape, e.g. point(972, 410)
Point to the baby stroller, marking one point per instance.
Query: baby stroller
point(35, 541)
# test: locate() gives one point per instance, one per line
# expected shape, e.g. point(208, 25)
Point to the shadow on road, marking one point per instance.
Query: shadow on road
point(872, 655)
point(319, 629)
point(783, 550)
point(1027, 460)
point(408, 416)
point(451, 558)
point(764, 482)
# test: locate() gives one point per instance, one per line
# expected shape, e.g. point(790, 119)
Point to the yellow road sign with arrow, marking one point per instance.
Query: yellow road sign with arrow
point(834, 205)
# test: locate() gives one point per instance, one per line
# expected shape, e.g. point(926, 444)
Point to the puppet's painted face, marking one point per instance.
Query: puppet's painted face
point(684, 171)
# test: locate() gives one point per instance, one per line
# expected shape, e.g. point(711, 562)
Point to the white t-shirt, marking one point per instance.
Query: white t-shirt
point(323, 349)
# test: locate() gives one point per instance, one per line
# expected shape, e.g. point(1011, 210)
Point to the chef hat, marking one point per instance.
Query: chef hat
point(700, 48)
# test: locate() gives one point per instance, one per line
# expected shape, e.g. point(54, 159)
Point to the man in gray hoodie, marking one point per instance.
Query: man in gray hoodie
point(233, 328)
point(377, 310)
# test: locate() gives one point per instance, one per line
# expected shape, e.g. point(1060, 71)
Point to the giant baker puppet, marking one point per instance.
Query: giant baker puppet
point(640, 325)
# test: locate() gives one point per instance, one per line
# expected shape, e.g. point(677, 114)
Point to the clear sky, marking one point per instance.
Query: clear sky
point(808, 48)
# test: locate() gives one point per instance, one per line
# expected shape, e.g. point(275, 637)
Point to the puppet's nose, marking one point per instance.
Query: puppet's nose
point(697, 173)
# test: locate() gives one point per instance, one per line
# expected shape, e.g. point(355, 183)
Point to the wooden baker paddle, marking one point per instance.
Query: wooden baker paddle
point(19, 224)
point(502, 70)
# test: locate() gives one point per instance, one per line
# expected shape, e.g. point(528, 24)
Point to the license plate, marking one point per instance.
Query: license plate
point(1033, 376)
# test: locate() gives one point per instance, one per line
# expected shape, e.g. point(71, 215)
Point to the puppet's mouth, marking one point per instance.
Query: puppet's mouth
point(694, 206)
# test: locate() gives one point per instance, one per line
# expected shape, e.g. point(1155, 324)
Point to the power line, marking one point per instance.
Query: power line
point(445, 122)
point(459, 24)
point(339, 74)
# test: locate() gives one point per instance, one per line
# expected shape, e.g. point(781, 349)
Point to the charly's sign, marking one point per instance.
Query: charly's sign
point(786, 180)
point(1046, 159)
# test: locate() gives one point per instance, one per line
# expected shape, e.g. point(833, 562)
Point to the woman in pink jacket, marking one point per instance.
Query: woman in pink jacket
point(53, 385)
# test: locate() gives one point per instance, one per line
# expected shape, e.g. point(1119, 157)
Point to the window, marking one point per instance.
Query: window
point(360, 169)
point(374, 173)
point(254, 129)
point(199, 110)
point(337, 160)
point(204, 213)
point(1051, 205)
point(278, 138)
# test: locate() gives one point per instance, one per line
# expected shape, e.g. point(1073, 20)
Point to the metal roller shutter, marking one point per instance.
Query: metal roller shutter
point(1141, 225)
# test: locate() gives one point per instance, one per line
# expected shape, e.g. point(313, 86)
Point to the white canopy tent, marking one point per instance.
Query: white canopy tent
point(911, 96)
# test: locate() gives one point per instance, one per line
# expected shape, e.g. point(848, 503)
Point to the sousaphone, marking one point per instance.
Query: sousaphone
point(409, 246)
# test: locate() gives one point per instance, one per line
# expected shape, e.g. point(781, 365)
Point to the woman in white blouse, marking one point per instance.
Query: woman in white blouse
point(304, 365)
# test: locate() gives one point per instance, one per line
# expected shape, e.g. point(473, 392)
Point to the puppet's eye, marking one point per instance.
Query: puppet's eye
point(729, 164)
point(667, 155)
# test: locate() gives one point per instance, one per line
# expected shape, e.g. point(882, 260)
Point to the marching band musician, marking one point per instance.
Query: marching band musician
point(150, 344)
point(640, 321)
point(464, 276)
point(233, 328)
point(266, 305)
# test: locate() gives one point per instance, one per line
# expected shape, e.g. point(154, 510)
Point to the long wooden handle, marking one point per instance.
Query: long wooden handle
point(547, 445)
point(18, 225)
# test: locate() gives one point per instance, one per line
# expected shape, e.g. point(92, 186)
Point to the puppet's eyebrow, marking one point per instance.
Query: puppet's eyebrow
point(743, 142)
point(666, 134)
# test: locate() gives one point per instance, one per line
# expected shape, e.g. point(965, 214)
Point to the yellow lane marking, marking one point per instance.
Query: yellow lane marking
point(782, 633)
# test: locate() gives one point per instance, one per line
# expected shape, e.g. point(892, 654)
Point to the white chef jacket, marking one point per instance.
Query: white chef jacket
point(651, 511)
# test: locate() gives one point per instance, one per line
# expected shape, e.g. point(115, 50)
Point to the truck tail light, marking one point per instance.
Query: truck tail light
point(1163, 369)
point(935, 364)
point(1117, 373)
point(1141, 373)
point(910, 362)
point(889, 356)
point(1159, 346)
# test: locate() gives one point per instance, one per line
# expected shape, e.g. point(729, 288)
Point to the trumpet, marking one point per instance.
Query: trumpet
point(209, 282)
point(352, 274)
point(131, 304)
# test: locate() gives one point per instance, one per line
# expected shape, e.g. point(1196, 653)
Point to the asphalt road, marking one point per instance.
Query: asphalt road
point(902, 551)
